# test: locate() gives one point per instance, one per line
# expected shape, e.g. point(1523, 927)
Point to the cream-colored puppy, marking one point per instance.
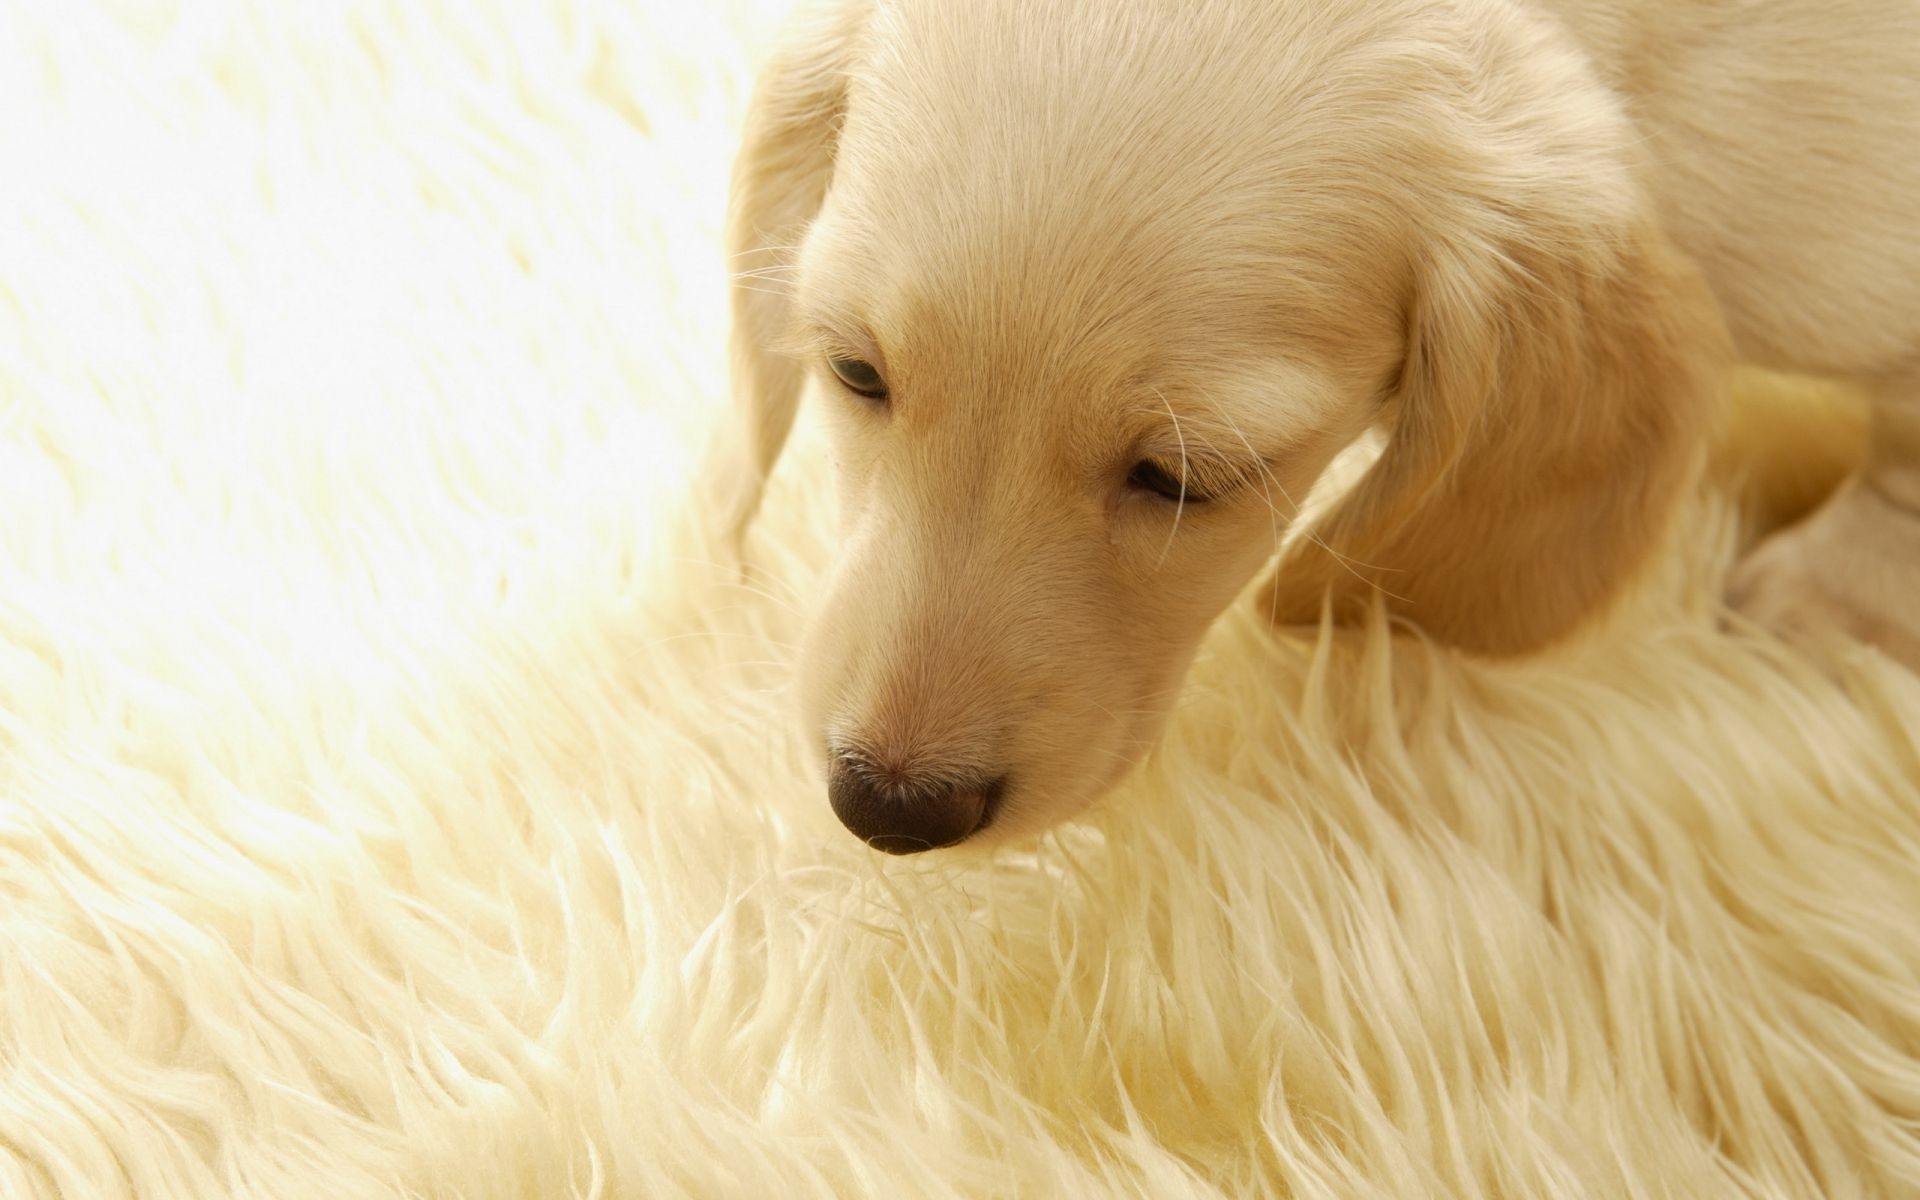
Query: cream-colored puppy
point(1096, 288)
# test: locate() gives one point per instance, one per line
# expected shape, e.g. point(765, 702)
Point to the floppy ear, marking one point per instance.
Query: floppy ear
point(780, 179)
point(1553, 404)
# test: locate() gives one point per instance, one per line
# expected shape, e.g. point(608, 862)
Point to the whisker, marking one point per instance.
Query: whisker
point(769, 271)
point(766, 249)
point(763, 291)
point(1346, 561)
point(694, 634)
point(792, 602)
point(1180, 506)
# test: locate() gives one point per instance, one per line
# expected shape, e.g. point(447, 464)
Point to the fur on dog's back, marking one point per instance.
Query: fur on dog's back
point(1783, 148)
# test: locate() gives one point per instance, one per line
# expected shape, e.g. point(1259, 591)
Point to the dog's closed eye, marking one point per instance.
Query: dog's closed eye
point(1149, 476)
point(859, 376)
point(1194, 476)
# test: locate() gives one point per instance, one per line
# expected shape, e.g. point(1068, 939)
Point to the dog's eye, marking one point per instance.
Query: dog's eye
point(1149, 476)
point(860, 376)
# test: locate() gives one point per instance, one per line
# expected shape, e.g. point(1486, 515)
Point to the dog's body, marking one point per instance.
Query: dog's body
point(1106, 284)
point(1782, 148)
point(1783, 152)
point(1783, 139)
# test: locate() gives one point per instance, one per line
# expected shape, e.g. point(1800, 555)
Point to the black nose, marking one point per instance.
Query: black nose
point(905, 813)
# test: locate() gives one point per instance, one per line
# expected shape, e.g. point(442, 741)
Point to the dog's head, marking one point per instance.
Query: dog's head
point(1093, 293)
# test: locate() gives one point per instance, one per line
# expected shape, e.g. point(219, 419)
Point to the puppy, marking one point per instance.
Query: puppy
point(1094, 289)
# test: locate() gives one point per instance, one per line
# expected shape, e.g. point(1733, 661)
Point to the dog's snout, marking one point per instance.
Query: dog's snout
point(906, 813)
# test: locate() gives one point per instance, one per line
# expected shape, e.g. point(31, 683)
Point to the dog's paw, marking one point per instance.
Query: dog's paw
point(1853, 566)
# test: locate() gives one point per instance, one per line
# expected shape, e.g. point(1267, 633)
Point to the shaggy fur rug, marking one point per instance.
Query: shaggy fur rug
point(394, 801)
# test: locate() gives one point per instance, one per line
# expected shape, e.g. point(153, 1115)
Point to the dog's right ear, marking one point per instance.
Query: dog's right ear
point(779, 182)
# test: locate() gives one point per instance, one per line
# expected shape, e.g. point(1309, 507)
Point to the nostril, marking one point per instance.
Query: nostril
point(907, 815)
point(943, 823)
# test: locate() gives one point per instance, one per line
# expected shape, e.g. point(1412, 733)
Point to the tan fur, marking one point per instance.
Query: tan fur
point(1786, 446)
point(1075, 234)
point(1547, 423)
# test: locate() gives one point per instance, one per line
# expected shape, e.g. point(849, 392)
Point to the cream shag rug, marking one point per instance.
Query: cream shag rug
point(393, 803)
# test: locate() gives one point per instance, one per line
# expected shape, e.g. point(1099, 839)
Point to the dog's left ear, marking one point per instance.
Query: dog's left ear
point(1552, 406)
point(780, 180)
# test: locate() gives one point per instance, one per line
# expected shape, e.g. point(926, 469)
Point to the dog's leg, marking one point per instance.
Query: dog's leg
point(1855, 563)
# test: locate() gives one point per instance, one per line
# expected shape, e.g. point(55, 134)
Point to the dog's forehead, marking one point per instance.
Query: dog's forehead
point(1038, 126)
point(1095, 307)
point(1052, 270)
point(1067, 177)
point(1033, 311)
